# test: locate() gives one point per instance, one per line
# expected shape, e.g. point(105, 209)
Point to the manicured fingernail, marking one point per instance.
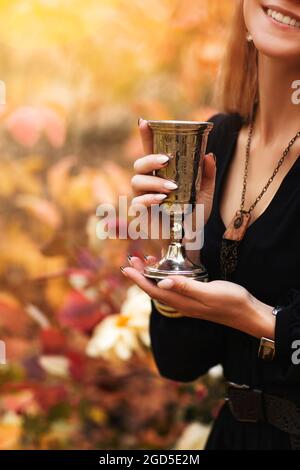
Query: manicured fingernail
point(146, 258)
point(212, 155)
point(170, 185)
point(166, 284)
point(163, 159)
point(160, 197)
point(139, 121)
point(123, 270)
point(129, 257)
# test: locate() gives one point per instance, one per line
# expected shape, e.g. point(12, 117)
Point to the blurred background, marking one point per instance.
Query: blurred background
point(78, 74)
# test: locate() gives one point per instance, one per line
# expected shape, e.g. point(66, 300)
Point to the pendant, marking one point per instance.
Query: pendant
point(238, 226)
point(228, 257)
point(230, 242)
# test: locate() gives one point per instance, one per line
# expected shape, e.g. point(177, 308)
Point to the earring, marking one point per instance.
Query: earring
point(249, 37)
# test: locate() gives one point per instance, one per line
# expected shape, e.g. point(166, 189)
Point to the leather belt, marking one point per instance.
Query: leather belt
point(254, 406)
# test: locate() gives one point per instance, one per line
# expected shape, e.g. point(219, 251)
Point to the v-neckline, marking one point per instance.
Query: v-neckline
point(224, 172)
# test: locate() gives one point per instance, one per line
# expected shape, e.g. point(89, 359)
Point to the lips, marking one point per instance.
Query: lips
point(283, 18)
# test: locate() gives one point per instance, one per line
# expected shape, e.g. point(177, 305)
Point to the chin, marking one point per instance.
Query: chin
point(277, 48)
point(275, 30)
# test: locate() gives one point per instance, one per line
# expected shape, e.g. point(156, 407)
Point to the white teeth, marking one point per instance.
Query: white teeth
point(284, 19)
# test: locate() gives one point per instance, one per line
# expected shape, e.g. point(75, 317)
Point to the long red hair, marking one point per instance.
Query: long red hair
point(237, 84)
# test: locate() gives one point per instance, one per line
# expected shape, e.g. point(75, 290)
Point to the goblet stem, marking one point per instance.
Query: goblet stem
point(185, 142)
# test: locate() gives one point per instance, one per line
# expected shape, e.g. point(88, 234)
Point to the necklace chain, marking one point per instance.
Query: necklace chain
point(270, 180)
point(236, 231)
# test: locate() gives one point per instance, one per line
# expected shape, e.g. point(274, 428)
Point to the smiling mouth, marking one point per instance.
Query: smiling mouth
point(283, 19)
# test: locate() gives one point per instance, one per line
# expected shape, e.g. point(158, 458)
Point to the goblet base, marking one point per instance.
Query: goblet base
point(176, 263)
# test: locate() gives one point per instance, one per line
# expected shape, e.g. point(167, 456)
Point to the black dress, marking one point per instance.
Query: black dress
point(269, 268)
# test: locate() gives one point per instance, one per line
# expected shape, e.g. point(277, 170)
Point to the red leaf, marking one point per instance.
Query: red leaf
point(13, 318)
point(79, 312)
point(77, 364)
point(50, 396)
point(25, 125)
point(53, 341)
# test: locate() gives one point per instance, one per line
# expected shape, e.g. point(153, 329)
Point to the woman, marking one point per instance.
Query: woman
point(254, 291)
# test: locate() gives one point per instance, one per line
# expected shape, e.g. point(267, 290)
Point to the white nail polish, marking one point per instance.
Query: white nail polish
point(170, 185)
point(162, 159)
point(160, 197)
point(166, 284)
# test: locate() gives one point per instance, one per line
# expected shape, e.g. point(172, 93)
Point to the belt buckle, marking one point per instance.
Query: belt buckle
point(246, 404)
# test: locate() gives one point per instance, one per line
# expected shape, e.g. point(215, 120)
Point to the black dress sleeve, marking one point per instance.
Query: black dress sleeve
point(287, 337)
point(184, 348)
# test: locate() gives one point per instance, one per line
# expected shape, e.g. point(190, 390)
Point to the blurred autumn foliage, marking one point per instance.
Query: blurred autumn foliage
point(78, 74)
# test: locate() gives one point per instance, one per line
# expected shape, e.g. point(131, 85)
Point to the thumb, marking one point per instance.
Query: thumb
point(184, 286)
point(146, 136)
point(207, 187)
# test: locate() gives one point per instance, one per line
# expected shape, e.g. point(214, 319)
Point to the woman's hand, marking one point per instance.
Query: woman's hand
point(150, 190)
point(218, 301)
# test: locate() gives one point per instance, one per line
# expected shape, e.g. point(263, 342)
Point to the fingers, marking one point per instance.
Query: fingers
point(147, 136)
point(136, 263)
point(187, 287)
point(210, 165)
point(139, 264)
point(172, 299)
point(150, 163)
point(137, 277)
point(151, 184)
point(147, 200)
point(149, 260)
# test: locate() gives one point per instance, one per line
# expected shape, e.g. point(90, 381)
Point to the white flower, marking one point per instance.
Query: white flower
point(137, 307)
point(55, 365)
point(11, 418)
point(119, 336)
point(112, 338)
point(137, 302)
point(78, 281)
point(194, 437)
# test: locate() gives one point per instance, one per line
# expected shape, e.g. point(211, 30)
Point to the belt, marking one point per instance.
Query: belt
point(255, 406)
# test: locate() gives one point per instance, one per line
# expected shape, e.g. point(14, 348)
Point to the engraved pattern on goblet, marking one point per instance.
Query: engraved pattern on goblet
point(185, 143)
